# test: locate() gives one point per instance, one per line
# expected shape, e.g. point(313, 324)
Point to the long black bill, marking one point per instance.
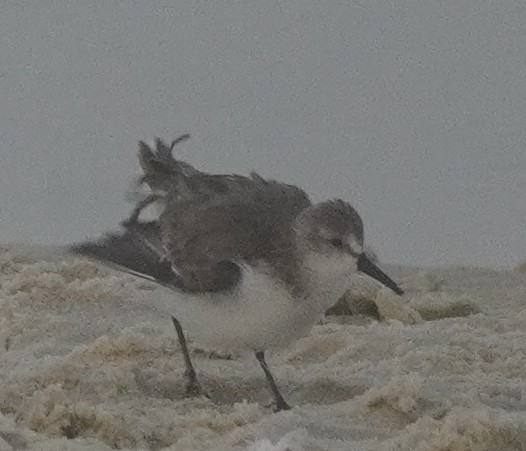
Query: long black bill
point(368, 267)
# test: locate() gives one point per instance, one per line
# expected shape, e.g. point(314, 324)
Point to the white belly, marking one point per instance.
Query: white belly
point(258, 315)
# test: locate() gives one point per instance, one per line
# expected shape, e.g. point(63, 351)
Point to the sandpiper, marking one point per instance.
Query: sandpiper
point(252, 264)
point(174, 181)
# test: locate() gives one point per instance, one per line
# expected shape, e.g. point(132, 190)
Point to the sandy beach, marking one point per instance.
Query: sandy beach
point(89, 361)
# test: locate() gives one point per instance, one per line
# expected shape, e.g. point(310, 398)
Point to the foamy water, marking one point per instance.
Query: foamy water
point(89, 361)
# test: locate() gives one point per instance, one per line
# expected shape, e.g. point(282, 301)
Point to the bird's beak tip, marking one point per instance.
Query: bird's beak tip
point(366, 266)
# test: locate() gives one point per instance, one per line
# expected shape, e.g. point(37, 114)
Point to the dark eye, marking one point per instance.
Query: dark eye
point(336, 242)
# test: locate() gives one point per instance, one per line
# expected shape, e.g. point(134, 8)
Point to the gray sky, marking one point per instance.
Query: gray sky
point(414, 111)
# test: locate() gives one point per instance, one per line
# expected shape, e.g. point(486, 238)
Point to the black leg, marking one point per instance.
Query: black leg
point(193, 388)
point(281, 404)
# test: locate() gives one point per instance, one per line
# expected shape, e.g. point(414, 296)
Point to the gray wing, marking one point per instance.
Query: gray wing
point(137, 249)
point(193, 247)
point(206, 242)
